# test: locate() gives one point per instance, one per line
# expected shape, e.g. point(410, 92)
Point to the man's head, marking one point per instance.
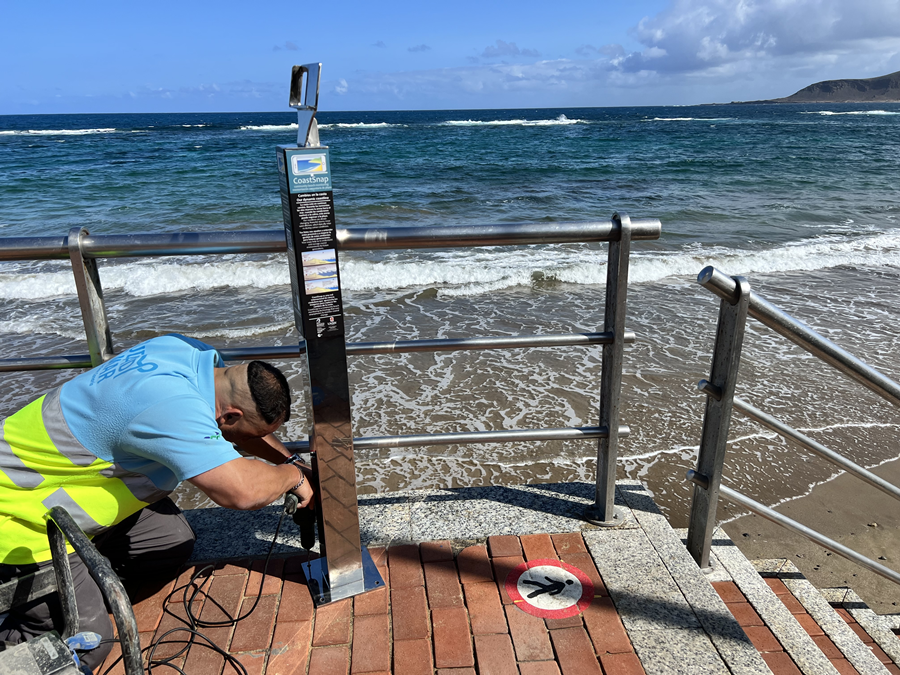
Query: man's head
point(252, 400)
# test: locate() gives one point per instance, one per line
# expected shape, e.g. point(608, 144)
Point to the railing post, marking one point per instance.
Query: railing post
point(716, 420)
point(603, 511)
point(90, 298)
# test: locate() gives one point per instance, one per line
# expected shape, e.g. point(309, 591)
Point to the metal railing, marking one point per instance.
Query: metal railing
point(737, 302)
point(83, 250)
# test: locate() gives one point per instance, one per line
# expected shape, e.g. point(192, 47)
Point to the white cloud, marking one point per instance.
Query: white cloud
point(341, 87)
point(503, 48)
point(715, 36)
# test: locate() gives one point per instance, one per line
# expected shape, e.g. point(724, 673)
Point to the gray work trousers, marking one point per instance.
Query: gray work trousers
point(146, 548)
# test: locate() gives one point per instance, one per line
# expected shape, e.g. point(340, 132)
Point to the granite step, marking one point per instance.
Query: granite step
point(881, 630)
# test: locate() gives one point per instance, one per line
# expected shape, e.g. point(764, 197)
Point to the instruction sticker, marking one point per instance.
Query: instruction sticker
point(550, 589)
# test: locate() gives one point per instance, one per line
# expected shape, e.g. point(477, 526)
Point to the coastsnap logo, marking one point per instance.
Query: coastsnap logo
point(303, 165)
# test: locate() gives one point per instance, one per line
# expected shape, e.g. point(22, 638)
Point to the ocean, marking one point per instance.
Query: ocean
point(800, 199)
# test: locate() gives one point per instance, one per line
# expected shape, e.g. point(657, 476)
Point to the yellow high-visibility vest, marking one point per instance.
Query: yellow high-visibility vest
point(43, 465)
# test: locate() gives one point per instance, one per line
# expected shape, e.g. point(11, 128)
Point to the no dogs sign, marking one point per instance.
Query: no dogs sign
point(550, 589)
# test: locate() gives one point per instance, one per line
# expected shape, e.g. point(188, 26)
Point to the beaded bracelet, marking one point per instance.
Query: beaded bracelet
point(294, 459)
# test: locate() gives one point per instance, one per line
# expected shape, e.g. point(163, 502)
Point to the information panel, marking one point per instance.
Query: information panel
point(308, 208)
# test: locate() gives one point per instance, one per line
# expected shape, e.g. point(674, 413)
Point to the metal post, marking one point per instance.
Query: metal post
point(716, 420)
point(603, 511)
point(345, 567)
point(90, 297)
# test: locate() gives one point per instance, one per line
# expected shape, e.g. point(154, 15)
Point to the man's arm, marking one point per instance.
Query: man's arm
point(268, 448)
point(246, 484)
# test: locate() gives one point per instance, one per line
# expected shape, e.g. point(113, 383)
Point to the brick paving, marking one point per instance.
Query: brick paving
point(444, 611)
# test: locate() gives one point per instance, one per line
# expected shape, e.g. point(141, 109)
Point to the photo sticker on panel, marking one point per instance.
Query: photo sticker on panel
point(324, 257)
point(313, 272)
point(322, 286)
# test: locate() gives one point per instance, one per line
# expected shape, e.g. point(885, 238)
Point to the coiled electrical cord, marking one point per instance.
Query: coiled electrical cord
point(193, 622)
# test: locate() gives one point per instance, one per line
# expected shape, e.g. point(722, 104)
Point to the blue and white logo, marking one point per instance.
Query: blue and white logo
point(304, 165)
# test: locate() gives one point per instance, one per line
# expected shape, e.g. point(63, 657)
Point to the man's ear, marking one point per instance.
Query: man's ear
point(230, 417)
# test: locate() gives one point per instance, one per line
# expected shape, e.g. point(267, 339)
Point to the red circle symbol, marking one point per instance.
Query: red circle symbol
point(549, 588)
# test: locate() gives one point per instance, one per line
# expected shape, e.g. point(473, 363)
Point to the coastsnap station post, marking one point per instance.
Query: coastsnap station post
point(345, 568)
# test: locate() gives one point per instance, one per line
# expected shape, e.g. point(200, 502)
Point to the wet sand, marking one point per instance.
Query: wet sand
point(850, 512)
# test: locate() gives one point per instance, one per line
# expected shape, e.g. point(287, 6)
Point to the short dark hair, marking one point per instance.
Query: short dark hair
point(270, 391)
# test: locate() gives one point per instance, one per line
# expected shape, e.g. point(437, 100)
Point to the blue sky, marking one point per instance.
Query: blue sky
point(65, 57)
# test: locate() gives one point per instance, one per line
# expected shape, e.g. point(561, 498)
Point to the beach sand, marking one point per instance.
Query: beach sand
point(844, 509)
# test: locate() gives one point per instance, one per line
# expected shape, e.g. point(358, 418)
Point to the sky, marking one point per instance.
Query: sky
point(66, 57)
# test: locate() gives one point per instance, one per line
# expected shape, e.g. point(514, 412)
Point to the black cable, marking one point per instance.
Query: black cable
point(194, 622)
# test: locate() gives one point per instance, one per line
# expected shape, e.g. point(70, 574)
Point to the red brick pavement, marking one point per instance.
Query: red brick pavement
point(444, 611)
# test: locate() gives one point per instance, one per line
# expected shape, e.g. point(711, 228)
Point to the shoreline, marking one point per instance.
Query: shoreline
point(844, 509)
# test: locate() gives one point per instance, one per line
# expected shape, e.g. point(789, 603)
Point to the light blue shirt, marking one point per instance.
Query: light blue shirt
point(151, 410)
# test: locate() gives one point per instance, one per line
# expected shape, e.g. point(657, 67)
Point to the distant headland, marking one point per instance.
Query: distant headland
point(883, 89)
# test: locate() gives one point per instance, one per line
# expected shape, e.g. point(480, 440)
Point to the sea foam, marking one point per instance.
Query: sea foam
point(472, 271)
point(55, 132)
point(561, 120)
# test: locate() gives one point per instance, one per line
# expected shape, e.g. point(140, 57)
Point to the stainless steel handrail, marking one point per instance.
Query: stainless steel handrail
point(804, 531)
point(349, 239)
point(466, 437)
point(354, 348)
point(804, 441)
point(803, 336)
point(734, 292)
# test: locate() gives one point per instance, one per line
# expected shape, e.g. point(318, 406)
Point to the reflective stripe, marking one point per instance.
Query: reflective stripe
point(138, 484)
point(10, 464)
point(79, 515)
point(60, 434)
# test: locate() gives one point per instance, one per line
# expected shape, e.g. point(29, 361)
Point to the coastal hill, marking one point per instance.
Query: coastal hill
point(883, 89)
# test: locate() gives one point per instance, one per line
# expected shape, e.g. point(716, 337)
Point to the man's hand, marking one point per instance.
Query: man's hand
point(247, 484)
point(304, 492)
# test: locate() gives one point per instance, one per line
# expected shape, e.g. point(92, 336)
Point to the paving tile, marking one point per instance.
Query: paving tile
point(371, 644)
point(456, 671)
point(745, 614)
point(844, 667)
point(148, 606)
point(184, 587)
point(777, 586)
point(502, 568)
point(474, 565)
point(494, 655)
point(379, 555)
point(539, 668)
point(728, 591)
point(529, 635)
point(174, 617)
point(329, 661)
point(792, 603)
point(296, 601)
point(664, 650)
point(828, 647)
point(574, 652)
point(585, 563)
point(405, 566)
point(409, 610)
point(845, 615)
point(412, 657)
point(809, 624)
point(373, 602)
point(605, 628)
point(296, 563)
point(452, 640)
point(571, 542)
point(893, 669)
point(763, 639)
point(224, 598)
point(781, 663)
point(226, 567)
point(504, 546)
point(486, 613)
point(291, 637)
point(442, 585)
point(255, 631)
point(114, 655)
point(290, 648)
point(569, 622)
point(272, 583)
point(254, 662)
point(621, 664)
point(861, 633)
point(333, 623)
point(435, 551)
point(202, 660)
point(537, 546)
point(879, 653)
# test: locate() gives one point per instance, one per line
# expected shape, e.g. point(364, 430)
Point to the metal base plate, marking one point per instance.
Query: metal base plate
point(592, 514)
point(322, 594)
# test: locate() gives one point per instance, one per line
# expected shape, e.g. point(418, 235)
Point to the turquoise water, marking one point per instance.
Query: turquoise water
point(800, 199)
